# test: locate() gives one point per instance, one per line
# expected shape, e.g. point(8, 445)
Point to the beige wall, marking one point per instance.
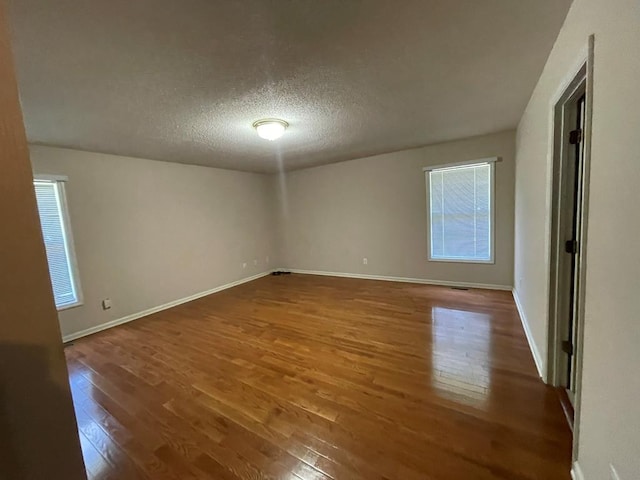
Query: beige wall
point(148, 233)
point(333, 216)
point(609, 426)
point(38, 433)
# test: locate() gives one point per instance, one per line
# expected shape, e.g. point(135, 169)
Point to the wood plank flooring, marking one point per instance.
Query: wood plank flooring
point(304, 377)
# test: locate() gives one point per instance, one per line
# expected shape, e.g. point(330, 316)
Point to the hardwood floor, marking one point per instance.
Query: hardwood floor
point(303, 377)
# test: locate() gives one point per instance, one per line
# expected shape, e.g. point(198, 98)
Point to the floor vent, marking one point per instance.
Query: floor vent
point(459, 288)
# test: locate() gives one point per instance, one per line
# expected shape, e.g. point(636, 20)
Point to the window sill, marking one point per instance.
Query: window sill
point(69, 306)
point(460, 260)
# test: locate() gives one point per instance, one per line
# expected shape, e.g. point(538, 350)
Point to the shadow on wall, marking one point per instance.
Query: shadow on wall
point(25, 408)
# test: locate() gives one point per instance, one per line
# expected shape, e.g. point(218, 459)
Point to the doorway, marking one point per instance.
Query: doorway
point(568, 238)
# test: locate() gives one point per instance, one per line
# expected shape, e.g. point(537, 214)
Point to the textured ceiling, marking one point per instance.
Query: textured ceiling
point(183, 80)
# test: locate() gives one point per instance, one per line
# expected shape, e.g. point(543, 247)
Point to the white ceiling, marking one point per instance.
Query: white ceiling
point(183, 80)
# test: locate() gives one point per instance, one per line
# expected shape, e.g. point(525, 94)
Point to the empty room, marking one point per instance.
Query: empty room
point(319, 240)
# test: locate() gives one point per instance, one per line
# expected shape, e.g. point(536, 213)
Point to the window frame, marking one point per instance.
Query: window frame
point(59, 181)
point(491, 161)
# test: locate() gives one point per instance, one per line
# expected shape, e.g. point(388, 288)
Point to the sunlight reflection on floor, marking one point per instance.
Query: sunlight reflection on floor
point(464, 376)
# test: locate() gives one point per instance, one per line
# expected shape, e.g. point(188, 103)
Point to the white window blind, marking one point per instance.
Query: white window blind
point(57, 240)
point(461, 213)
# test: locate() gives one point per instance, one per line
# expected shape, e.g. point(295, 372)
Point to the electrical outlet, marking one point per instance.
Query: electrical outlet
point(613, 472)
point(106, 304)
point(266, 259)
point(365, 261)
point(255, 262)
point(244, 265)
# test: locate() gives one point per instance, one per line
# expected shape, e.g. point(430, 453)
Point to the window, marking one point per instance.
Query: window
point(460, 207)
point(56, 232)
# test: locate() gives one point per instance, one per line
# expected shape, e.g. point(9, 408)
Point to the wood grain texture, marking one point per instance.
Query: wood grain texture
point(305, 377)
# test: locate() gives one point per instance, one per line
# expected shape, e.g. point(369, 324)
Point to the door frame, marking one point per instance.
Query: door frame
point(562, 211)
point(582, 75)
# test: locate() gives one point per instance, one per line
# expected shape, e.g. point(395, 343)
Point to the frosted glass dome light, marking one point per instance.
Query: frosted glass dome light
point(270, 129)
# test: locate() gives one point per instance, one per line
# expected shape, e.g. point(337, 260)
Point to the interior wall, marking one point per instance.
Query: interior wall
point(335, 215)
point(609, 422)
point(148, 233)
point(38, 433)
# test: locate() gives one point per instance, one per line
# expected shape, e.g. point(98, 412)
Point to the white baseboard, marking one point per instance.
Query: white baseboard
point(576, 472)
point(537, 358)
point(159, 308)
point(423, 281)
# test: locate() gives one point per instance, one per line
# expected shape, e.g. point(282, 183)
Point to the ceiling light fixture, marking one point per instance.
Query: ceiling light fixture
point(270, 128)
